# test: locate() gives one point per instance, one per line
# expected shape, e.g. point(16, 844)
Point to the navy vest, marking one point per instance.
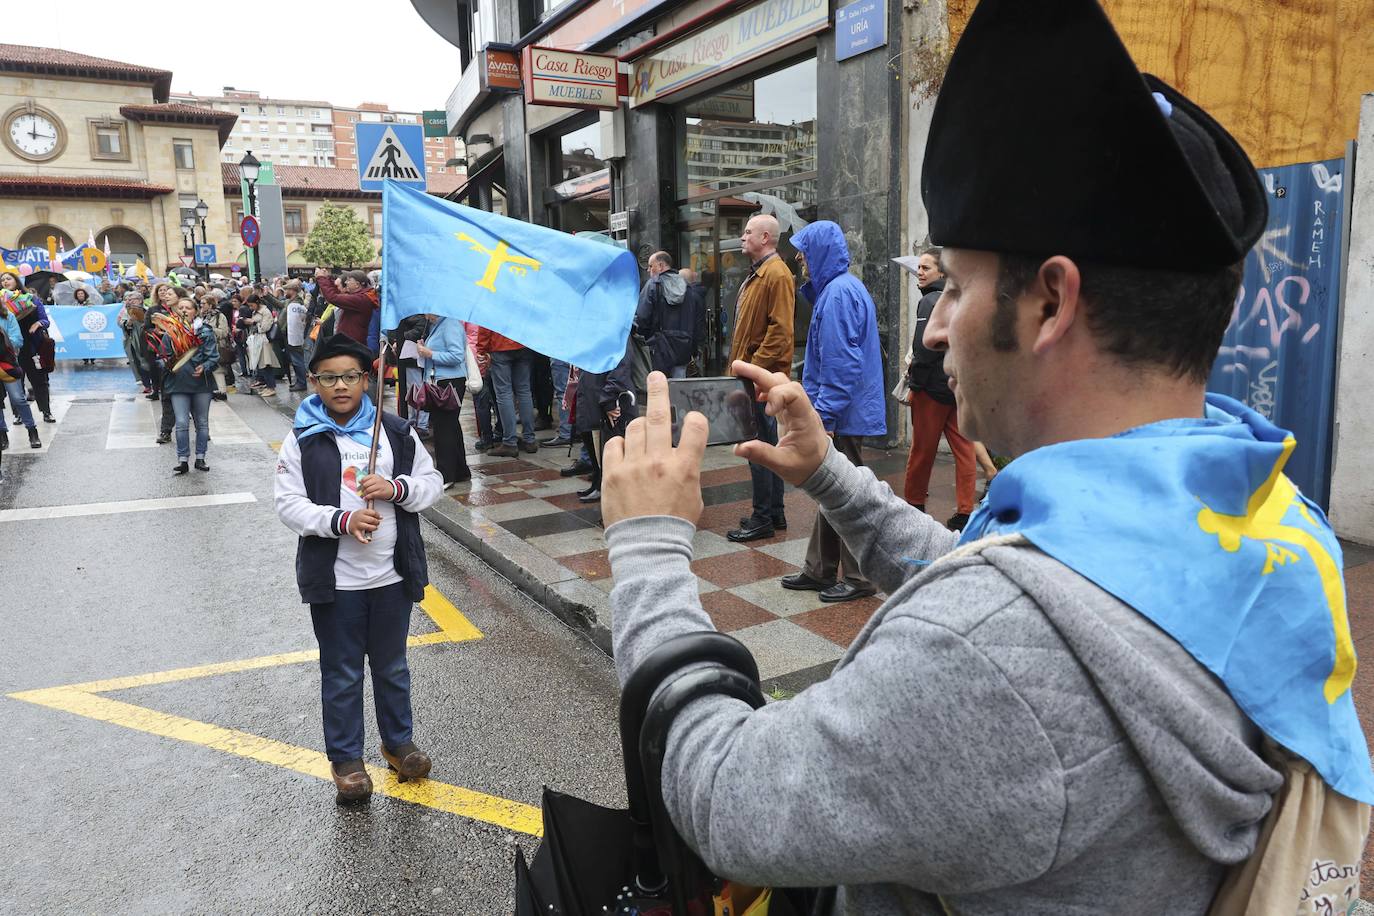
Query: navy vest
point(323, 475)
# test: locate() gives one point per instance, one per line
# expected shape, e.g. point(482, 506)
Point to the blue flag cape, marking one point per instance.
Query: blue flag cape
point(1192, 523)
point(559, 295)
point(312, 418)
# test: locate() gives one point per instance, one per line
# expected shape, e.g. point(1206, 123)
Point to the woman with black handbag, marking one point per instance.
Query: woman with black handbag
point(445, 353)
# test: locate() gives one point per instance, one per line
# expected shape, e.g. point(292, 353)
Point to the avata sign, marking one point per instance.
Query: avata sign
point(568, 79)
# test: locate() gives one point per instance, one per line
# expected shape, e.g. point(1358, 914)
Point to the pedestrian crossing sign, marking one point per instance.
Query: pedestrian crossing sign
point(395, 151)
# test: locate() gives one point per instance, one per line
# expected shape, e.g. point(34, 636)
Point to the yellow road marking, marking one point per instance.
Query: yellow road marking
point(274, 446)
point(84, 700)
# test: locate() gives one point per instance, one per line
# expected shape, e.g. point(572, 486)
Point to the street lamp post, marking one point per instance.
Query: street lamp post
point(248, 168)
point(188, 234)
point(202, 211)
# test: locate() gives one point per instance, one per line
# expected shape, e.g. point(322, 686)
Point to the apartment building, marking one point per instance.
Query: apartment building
point(286, 131)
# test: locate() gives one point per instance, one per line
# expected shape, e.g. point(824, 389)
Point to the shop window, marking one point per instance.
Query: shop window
point(745, 149)
point(579, 180)
point(764, 129)
point(109, 140)
point(184, 154)
point(294, 219)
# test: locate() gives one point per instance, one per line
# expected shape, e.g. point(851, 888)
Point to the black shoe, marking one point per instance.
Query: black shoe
point(529, 446)
point(33, 438)
point(755, 529)
point(576, 468)
point(592, 495)
point(801, 582)
point(49, 418)
point(957, 521)
point(152, 395)
point(843, 591)
point(780, 523)
point(4, 439)
point(201, 465)
point(219, 396)
point(181, 468)
point(164, 438)
point(542, 424)
point(556, 442)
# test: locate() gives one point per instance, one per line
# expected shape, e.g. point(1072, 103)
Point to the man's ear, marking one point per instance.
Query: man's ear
point(1057, 290)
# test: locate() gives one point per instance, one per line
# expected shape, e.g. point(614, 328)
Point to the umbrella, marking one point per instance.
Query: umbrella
point(76, 275)
point(219, 277)
point(42, 282)
point(186, 272)
point(64, 293)
point(596, 860)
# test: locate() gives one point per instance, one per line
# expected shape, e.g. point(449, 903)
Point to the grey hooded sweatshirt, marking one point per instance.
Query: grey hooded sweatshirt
point(1003, 737)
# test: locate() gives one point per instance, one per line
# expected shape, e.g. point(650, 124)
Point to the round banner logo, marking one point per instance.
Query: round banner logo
point(94, 321)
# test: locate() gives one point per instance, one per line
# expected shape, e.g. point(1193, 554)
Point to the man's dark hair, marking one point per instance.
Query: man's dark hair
point(1171, 320)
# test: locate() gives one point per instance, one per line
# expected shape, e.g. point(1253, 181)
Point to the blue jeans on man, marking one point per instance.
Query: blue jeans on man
point(561, 370)
point(373, 623)
point(183, 407)
point(296, 356)
point(510, 369)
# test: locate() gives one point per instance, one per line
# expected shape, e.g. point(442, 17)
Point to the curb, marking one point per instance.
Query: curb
point(559, 590)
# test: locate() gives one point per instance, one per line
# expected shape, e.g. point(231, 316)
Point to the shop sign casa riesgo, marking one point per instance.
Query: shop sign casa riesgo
point(569, 79)
point(750, 33)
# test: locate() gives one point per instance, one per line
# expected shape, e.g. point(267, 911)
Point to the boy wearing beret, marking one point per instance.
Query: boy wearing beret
point(359, 568)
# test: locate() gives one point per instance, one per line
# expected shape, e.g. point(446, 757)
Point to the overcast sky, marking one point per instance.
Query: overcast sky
point(337, 51)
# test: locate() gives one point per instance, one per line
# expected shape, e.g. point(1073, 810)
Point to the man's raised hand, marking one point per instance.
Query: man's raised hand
point(802, 440)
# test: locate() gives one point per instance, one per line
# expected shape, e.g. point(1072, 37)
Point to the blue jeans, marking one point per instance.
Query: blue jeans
point(510, 369)
point(184, 406)
point(268, 377)
point(19, 404)
point(296, 356)
point(560, 385)
point(767, 485)
point(372, 623)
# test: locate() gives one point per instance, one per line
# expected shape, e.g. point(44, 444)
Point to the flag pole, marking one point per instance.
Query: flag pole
point(377, 420)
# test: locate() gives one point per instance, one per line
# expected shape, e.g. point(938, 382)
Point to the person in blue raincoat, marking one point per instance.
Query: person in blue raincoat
point(843, 376)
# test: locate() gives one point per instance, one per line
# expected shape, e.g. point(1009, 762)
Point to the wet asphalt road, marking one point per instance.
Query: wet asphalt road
point(102, 818)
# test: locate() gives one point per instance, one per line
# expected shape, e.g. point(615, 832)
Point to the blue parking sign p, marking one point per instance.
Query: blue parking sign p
point(205, 254)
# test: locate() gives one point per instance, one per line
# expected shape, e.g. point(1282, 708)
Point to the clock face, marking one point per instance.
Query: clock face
point(33, 134)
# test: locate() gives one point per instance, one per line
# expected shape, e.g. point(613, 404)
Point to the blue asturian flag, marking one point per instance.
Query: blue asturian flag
point(558, 295)
point(1193, 523)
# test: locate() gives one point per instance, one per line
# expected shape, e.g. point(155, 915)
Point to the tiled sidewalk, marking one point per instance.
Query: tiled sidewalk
point(794, 635)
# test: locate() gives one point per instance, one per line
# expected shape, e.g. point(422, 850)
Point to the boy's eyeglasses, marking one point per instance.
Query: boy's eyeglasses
point(331, 380)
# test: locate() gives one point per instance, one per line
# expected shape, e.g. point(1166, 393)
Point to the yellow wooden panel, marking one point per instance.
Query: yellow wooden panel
point(1284, 76)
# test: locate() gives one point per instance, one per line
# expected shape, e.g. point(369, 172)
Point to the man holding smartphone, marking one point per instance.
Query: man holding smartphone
point(1106, 694)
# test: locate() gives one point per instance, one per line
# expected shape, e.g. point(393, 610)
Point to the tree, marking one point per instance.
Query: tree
point(339, 238)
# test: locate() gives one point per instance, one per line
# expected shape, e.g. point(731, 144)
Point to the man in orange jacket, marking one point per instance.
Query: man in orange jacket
point(764, 336)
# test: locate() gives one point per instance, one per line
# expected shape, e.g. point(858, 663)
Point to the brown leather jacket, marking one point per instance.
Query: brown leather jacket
point(764, 334)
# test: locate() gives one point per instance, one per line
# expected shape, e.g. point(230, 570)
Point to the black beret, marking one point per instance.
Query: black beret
point(1047, 140)
point(341, 345)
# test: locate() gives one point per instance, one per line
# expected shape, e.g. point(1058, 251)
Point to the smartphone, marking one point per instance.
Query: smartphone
point(726, 401)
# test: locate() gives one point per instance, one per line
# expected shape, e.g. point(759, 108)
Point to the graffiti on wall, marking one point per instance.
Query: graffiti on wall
point(1279, 352)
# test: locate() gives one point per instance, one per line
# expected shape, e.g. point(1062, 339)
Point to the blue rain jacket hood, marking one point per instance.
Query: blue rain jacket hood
point(843, 374)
